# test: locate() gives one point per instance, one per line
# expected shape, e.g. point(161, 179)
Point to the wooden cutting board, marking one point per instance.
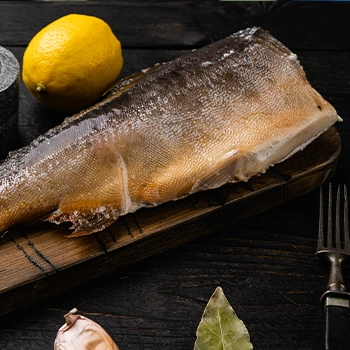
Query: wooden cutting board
point(39, 261)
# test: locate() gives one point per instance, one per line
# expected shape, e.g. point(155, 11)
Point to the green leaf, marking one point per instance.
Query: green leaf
point(220, 328)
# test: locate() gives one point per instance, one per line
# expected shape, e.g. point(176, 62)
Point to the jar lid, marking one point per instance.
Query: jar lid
point(9, 69)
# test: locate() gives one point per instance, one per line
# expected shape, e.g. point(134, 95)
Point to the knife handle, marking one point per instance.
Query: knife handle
point(337, 323)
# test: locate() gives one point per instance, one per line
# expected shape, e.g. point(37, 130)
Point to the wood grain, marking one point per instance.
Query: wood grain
point(140, 24)
point(37, 257)
point(271, 279)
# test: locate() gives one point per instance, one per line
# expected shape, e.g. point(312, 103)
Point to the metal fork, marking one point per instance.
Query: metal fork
point(335, 249)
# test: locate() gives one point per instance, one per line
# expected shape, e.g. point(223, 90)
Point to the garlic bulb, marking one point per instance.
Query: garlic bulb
point(81, 333)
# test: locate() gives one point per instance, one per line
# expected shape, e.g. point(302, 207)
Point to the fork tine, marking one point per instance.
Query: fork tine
point(329, 223)
point(341, 219)
point(346, 220)
point(320, 242)
point(337, 220)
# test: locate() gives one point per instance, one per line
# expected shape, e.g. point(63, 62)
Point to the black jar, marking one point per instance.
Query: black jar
point(9, 96)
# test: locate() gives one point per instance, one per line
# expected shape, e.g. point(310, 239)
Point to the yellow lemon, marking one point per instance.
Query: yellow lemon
point(71, 62)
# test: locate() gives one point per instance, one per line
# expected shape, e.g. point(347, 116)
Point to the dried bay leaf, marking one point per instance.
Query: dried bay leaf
point(220, 328)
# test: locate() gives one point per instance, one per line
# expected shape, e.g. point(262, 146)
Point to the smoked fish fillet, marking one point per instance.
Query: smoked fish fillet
point(220, 114)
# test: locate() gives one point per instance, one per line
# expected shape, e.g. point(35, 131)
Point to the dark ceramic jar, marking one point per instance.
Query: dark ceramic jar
point(9, 95)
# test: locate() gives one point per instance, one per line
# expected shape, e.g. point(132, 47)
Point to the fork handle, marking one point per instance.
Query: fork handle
point(337, 321)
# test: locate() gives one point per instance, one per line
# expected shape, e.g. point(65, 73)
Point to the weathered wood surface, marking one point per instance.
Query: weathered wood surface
point(266, 263)
point(145, 24)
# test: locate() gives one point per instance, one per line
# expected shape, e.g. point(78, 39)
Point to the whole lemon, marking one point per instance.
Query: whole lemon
point(71, 62)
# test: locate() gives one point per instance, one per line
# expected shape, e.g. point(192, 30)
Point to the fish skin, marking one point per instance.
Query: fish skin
point(220, 114)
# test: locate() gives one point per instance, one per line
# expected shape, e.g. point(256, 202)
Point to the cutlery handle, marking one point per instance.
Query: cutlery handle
point(337, 323)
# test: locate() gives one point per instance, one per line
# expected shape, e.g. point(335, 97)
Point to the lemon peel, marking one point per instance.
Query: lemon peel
point(70, 63)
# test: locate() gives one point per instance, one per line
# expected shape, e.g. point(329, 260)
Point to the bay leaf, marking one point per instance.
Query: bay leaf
point(220, 328)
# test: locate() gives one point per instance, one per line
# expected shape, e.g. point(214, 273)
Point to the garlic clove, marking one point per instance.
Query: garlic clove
point(81, 333)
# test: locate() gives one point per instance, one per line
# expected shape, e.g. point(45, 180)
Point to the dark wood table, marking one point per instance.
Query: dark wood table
point(266, 263)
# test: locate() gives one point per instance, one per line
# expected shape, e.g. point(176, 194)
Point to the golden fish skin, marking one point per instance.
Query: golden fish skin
point(220, 114)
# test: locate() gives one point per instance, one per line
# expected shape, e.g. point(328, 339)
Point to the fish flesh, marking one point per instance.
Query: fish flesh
point(220, 114)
